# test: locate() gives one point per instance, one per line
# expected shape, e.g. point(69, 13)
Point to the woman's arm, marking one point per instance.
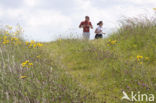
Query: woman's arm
point(96, 31)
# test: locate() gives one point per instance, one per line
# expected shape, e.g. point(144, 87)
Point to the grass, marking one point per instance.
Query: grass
point(36, 81)
point(80, 71)
point(109, 66)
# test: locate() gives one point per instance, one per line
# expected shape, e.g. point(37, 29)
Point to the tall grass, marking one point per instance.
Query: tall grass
point(124, 61)
point(78, 71)
point(41, 81)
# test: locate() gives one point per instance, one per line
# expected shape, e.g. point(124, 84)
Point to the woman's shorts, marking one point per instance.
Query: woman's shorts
point(98, 36)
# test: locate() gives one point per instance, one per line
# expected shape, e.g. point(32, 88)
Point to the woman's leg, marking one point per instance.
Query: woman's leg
point(98, 36)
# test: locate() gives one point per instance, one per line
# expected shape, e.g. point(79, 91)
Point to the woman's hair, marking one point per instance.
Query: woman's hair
point(100, 22)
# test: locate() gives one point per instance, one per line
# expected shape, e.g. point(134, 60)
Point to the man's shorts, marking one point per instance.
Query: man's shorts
point(86, 35)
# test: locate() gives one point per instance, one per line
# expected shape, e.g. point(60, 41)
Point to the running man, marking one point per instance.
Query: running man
point(86, 25)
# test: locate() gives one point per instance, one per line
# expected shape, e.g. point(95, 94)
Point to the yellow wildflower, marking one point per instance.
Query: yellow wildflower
point(39, 44)
point(154, 8)
point(14, 39)
point(23, 64)
point(139, 57)
point(34, 46)
point(141, 62)
point(27, 43)
point(27, 61)
point(30, 64)
point(113, 42)
point(5, 42)
point(5, 37)
point(108, 45)
point(32, 42)
point(30, 46)
point(22, 77)
point(38, 56)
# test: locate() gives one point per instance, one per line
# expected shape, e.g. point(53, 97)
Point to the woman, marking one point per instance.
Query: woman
point(99, 32)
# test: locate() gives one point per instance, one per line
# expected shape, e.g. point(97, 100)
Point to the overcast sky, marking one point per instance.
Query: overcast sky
point(46, 20)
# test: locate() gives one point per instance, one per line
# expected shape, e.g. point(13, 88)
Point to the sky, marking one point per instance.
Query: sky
point(47, 20)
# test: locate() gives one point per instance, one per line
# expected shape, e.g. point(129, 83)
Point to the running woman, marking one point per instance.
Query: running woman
point(99, 30)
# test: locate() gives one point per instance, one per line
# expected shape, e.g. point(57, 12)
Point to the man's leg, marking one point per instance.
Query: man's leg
point(86, 35)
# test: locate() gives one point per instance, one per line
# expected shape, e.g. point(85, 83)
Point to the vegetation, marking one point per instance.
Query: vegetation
point(29, 75)
point(124, 61)
point(80, 71)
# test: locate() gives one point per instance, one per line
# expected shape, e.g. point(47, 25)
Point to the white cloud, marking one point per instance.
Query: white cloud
point(143, 1)
point(44, 22)
point(31, 2)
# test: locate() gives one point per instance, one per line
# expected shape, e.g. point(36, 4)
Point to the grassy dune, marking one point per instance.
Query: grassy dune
point(29, 75)
point(124, 61)
point(79, 71)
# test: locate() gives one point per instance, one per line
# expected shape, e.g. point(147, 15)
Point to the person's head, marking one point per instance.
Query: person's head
point(100, 23)
point(87, 18)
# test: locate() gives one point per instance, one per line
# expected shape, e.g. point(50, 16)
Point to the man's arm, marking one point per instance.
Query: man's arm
point(81, 24)
point(91, 26)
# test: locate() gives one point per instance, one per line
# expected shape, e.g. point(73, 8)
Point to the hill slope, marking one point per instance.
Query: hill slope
point(29, 75)
point(79, 71)
point(124, 61)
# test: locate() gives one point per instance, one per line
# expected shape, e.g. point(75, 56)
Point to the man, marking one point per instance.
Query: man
point(86, 25)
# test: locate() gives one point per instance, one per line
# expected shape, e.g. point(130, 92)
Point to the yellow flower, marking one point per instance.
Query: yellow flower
point(18, 42)
point(14, 39)
point(26, 43)
point(34, 46)
point(5, 42)
point(5, 37)
point(39, 44)
point(139, 57)
point(30, 45)
point(113, 42)
point(23, 64)
point(27, 61)
point(32, 42)
point(30, 64)
point(22, 77)
point(108, 45)
point(141, 62)
point(38, 56)
point(154, 8)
